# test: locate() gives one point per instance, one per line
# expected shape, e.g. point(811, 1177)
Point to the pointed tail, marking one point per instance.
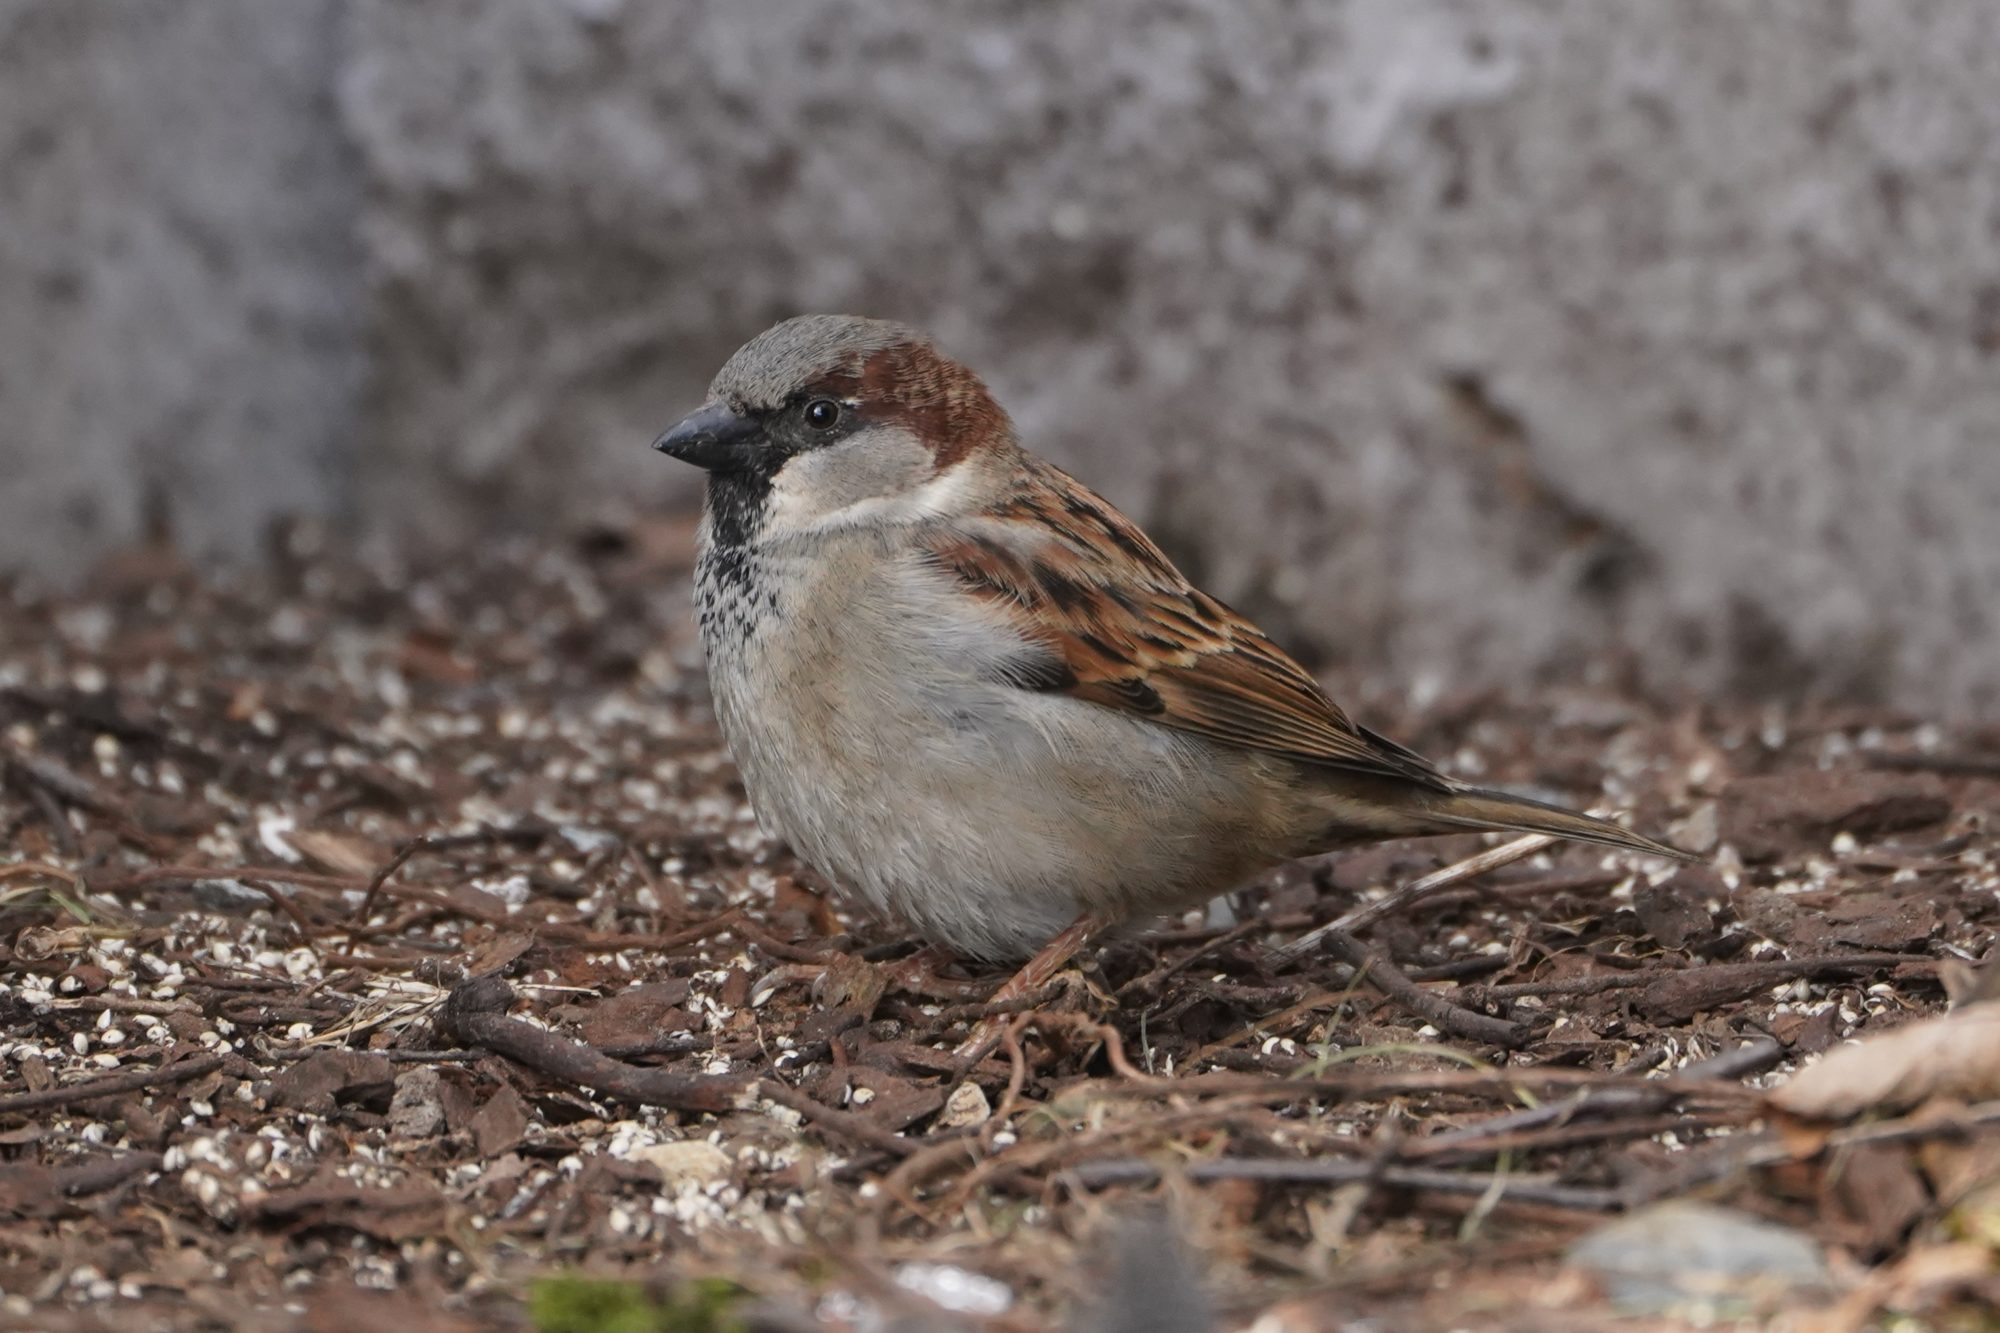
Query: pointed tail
point(1478, 808)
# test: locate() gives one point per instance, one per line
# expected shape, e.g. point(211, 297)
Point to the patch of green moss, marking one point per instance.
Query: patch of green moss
point(595, 1305)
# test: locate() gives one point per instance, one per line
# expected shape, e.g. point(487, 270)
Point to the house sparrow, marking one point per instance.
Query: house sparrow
point(975, 695)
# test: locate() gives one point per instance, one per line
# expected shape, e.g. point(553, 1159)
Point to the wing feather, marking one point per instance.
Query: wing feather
point(1120, 627)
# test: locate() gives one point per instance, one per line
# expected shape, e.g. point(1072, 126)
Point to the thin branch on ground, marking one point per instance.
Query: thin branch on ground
point(111, 1085)
point(1378, 971)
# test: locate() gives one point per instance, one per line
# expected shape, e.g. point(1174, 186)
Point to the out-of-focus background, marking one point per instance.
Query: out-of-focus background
point(1477, 344)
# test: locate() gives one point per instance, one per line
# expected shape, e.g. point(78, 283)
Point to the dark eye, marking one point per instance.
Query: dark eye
point(822, 413)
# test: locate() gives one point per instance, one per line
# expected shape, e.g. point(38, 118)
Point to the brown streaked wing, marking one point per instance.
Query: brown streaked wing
point(1125, 630)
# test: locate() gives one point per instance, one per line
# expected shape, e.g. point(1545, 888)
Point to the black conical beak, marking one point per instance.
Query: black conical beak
point(715, 437)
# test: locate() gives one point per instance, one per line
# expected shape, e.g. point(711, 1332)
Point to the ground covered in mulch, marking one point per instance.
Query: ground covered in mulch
point(391, 944)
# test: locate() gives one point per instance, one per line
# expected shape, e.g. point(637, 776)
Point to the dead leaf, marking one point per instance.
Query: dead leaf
point(497, 953)
point(340, 853)
point(640, 1015)
point(1806, 1034)
point(889, 1100)
point(35, 1073)
point(850, 982)
point(1875, 1188)
point(38, 944)
point(499, 1124)
point(320, 1081)
point(1957, 1168)
point(1955, 1055)
point(1882, 921)
point(455, 1095)
point(1930, 1272)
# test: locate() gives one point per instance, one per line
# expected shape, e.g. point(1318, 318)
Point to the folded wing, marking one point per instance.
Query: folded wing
point(1115, 624)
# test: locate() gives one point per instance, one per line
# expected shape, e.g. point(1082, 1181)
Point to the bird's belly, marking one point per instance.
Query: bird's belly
point(987, 816)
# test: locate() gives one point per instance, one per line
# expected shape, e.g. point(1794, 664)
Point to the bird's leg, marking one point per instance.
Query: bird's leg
point(1036, 973)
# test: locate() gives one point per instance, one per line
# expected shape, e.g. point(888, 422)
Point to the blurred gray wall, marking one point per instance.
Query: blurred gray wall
point(184, 304)
point(1473, 342)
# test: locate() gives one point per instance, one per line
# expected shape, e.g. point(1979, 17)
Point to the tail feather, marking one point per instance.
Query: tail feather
point(1478, 808)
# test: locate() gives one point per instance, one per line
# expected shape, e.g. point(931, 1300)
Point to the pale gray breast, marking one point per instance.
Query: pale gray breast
point(864, 699)
point(836, 651)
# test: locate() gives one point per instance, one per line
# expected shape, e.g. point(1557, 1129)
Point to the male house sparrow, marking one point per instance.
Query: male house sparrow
point(971, 692)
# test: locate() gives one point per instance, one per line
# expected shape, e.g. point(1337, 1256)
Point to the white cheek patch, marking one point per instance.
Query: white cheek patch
point(944, 493)
point(880, 475)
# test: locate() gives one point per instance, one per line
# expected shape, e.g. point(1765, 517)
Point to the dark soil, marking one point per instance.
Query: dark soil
point(231, 1099)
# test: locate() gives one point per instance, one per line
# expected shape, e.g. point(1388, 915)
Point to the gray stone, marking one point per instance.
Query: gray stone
point(1470, 344)
point(416, 1109)
point(1686, 1255)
